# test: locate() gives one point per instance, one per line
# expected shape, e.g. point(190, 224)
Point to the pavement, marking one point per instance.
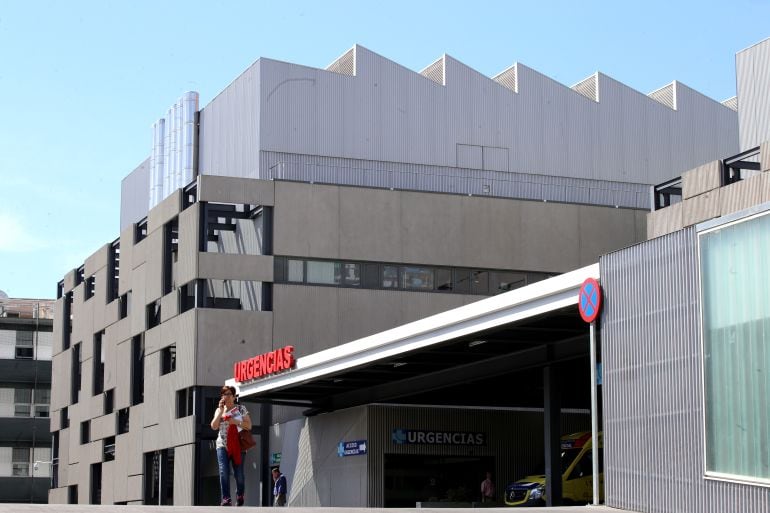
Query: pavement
point(77, 508)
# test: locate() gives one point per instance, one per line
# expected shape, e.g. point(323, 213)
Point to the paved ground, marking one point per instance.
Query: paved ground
point(51, 508)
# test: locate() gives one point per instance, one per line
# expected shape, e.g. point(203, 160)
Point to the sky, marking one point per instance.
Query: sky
point(81, 82)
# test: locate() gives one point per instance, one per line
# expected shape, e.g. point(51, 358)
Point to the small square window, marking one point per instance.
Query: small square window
point(168, 359)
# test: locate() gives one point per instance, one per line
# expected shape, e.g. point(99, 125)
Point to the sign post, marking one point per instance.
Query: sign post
point(589, 305)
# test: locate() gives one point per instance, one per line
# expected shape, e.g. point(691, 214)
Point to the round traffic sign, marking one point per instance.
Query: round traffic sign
point(589, 300)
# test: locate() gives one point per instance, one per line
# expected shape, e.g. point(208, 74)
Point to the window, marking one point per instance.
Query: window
point(64, 421)
point(234, 229)
point(444, 279)
point(168, 359)
point(184, 402)
point(109, 401)
point(123, 421)
point(371, 278)
point(90, 288)
point(170, 254)
point(76, 373)
point(389, 276)
point(159, 477)
point(20, 459)
point(85, 432)
point(373, 275)
point(232, 294)
point(98, 362)
point(55, 460)
point(153, 314)
point(24, 345)
point(96, 483)
point(323, 272)
point(296, 271)
point(22, 402)
point(187, 296)
point(480, 282)
point(72, 494)
point(137, 370)
point(79, 275)
point(124, 307)
point(140, 231)
point(735, 316)
point(67, 321)
point(109, 448)
point(42, 402)
point(420, 278)
point(113, 272)
point(501, 281)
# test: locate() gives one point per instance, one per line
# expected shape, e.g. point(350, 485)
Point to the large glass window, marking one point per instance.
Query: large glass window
point(735, 274)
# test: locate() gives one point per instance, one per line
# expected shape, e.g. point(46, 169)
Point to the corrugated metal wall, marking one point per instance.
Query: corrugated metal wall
point(514, 439)
point(653, 392)
point(389, 113)
point(752, 68)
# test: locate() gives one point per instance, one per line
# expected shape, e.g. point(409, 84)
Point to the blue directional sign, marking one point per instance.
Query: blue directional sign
point(354, 448)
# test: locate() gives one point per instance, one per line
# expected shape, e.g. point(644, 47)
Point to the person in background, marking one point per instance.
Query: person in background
point(279, 489)
point(488, 489)
point(229, 419)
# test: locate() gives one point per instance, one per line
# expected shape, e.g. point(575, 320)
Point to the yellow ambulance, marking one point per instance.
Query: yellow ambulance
point(577, 482)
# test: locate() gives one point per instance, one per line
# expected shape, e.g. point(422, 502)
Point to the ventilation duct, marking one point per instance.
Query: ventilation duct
point(731, 103)
point(508, 78)
point(588, 87)
point(435, 72)
point(345, 65)
point(665, 95)
point(173, 146)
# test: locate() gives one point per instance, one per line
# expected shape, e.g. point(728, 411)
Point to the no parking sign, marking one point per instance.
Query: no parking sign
point(589, 300)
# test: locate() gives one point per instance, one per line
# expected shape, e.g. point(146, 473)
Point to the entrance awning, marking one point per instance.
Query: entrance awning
point(523, 328)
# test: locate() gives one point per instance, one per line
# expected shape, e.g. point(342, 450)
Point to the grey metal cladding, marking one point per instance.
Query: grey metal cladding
point(135, 195)
point(752, 68)
point(652, 390)
point(229, 137)
point(391, 114)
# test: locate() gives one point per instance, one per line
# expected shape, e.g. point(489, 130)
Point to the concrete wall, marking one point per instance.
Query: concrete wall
point(704, 198)
point(442, 229)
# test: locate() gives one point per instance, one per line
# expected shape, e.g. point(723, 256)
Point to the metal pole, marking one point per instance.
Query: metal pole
point(594, 416)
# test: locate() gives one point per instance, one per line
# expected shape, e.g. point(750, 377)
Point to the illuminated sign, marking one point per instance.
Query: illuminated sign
point(264, 364)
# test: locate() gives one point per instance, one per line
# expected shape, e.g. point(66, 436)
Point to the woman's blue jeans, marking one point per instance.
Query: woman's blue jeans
point(224, 461)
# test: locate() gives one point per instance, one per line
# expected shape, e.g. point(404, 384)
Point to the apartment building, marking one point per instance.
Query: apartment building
point(26, 327)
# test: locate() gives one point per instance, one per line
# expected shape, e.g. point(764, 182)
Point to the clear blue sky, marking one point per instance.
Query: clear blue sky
point(81, 82)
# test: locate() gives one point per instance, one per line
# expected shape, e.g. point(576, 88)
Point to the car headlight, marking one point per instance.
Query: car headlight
point(537, 493)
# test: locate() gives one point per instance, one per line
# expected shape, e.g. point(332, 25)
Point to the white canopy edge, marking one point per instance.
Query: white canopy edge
point(536, 299)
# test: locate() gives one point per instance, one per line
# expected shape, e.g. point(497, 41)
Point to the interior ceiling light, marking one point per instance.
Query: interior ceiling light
point(396, 365)
point(474, 343)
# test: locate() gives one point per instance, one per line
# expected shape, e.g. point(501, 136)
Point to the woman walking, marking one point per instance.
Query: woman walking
point(229, 419)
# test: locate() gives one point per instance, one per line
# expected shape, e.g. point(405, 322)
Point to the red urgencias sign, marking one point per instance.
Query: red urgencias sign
point(264, 364)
